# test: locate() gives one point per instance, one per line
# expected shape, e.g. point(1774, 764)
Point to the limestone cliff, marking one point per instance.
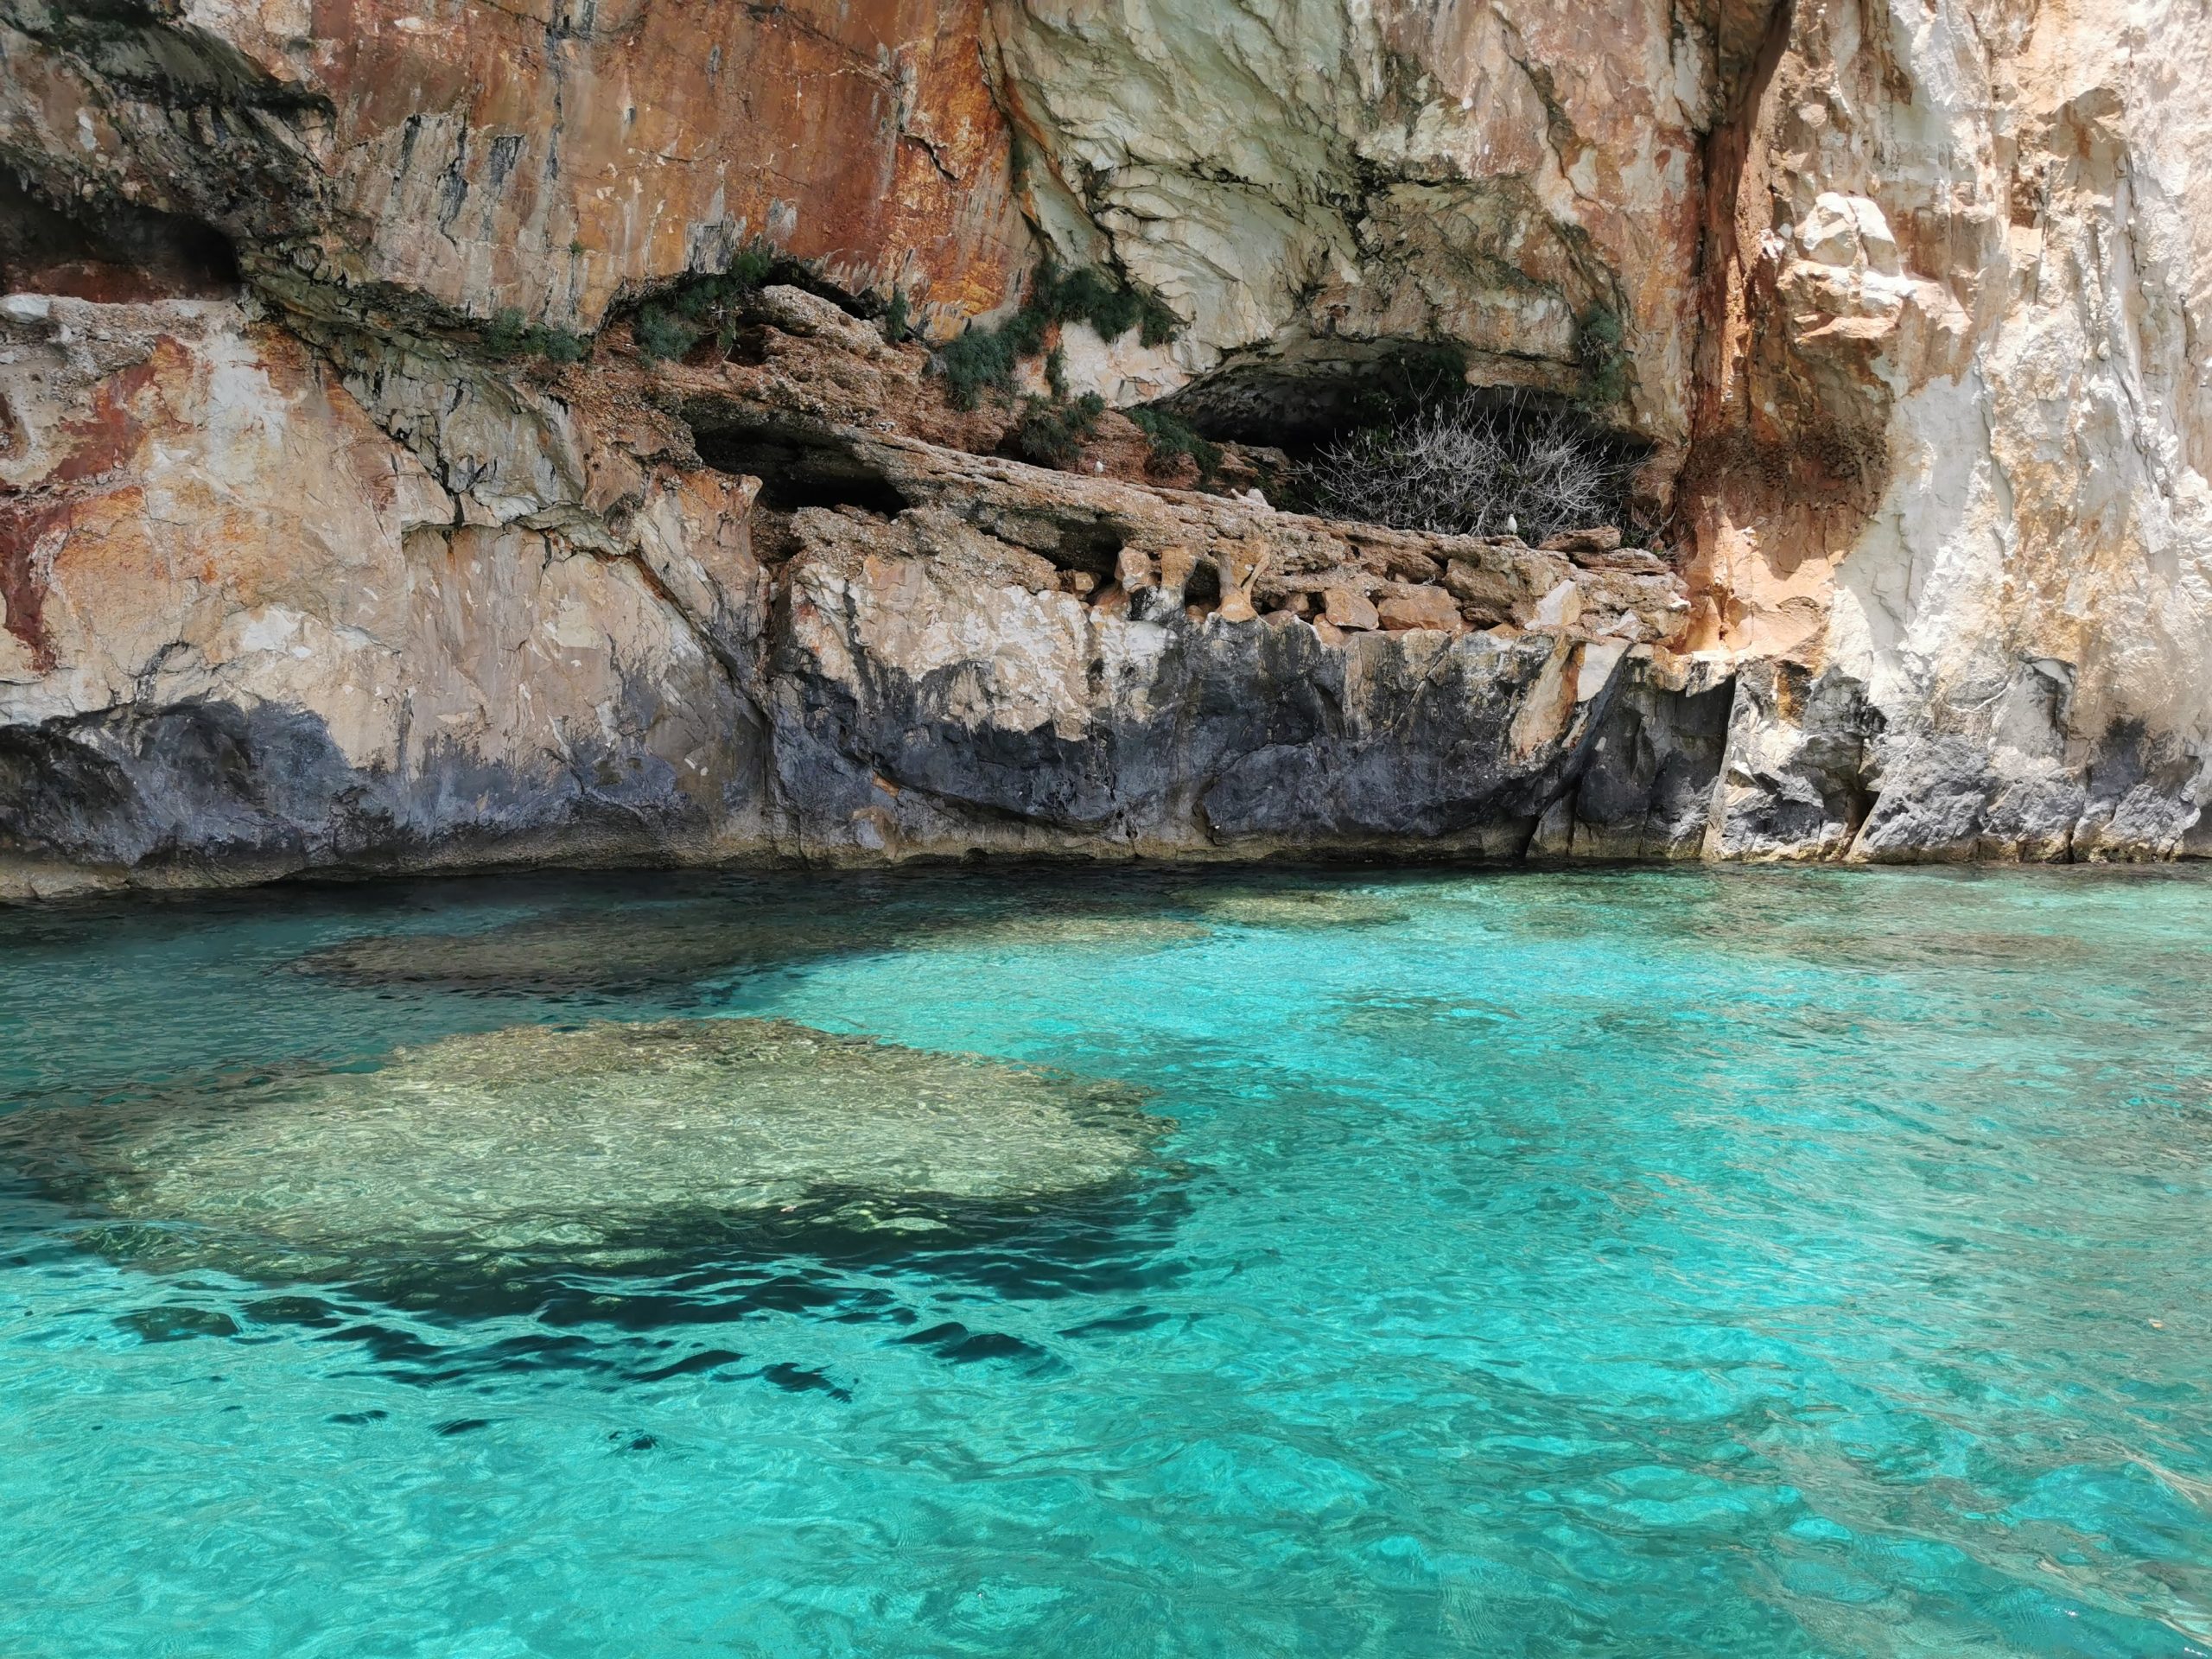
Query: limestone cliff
point(344, 522)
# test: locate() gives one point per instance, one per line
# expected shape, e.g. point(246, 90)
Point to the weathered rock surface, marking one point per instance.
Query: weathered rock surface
point(1310, 184)
point(1950, 475)
point(544, 156)
point(298, 570)
point(249, 632)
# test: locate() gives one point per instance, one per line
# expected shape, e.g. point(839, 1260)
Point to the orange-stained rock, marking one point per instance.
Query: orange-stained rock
point(1347, 609)
point(1407, 607)
point(552, 155)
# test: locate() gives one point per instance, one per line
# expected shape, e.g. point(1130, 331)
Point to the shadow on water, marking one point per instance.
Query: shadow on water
point(662, 1307)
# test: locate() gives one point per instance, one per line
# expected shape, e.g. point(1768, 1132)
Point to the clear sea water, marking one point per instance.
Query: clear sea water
point(1714, 1263)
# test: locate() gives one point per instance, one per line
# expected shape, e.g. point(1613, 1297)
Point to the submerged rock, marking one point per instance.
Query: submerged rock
point(539, 1140)
point(618, 949)
point(1103, 924)
point(1300, 908)
point(597, 951)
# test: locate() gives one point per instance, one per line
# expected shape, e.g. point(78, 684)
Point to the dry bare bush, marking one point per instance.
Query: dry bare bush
point(1466, 467)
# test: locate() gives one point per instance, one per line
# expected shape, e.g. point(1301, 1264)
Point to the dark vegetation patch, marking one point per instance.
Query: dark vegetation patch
point(985, 356)
point(1172, 439)
point(676, 320)
point(679, 319)
point(1052, 434)
point(509, 336)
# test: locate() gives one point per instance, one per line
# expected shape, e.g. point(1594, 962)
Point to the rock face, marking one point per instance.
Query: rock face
point(303, 566)
point(1313, 184)
point(249, 632)
point(543, 155)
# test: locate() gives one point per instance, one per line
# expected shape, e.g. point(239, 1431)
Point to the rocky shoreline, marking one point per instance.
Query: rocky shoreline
point(347, 523)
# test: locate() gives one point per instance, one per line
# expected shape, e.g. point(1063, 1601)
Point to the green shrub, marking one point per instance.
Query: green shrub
point(1104, 300)
point(898, 319)
point(1605, 362)
point(1171, 440)
point(984, 359)
point(504, 336)
point(662, 333)
point(1052, 434)
point(508, 336)
point(674, 321)
point(978, 358)
point(1091, 296)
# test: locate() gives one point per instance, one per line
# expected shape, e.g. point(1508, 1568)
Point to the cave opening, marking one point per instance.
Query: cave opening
point(110, 252)
point(798, 468)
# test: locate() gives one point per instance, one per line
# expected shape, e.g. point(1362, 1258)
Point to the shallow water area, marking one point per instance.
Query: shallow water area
point(575, 1142)
point(1732, 1262)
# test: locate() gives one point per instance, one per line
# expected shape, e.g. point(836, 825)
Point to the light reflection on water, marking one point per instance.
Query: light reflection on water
point(1714, 1262)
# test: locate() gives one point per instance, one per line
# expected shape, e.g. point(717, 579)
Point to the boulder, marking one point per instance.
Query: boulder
point(1347, 609)
point(1406, 609)
point(1560, 609)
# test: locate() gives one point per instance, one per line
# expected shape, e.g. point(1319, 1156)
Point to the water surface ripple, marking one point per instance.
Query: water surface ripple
point(1701, 1263)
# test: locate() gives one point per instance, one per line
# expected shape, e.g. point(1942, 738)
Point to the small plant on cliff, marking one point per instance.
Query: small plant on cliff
point(1172, 439)
point(898, 318)
point(661, 334)
point(1104, 300)
point(1598, 347)
point(1465, 466)
point(1052, 434)
point(671, 322)
point(984, 359)
point(509, 336)
point(978, 361)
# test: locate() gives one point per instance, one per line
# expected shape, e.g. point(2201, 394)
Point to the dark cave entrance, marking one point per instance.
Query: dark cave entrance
point(1392, 433)
point(797, 468)
point(116, 252)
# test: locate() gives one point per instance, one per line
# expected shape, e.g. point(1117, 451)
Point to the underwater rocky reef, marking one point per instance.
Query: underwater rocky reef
point(589, 1143)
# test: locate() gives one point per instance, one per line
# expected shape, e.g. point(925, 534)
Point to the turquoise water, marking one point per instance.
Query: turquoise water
point(1697, 1263)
